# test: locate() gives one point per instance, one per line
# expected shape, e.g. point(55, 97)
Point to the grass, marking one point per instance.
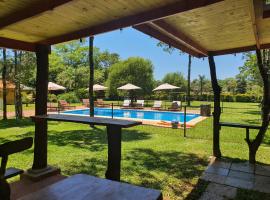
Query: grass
point(153, 157)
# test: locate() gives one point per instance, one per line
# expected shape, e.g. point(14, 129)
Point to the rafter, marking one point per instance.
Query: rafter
point(150, 30)
point(16, 44)
point(178, 35)
point(31, 11)
point(253, 21)
point(155, 14)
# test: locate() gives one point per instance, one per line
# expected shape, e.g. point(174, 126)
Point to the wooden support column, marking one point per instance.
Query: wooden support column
point(217, 109)
point(91, 79)
point(40, 148)
point(114, 152)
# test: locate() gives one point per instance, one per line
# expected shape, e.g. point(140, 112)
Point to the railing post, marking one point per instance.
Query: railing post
point(185, 120)
point(112, 110)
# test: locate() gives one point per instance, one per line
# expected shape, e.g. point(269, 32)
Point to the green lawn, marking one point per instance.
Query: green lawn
point(154, 157)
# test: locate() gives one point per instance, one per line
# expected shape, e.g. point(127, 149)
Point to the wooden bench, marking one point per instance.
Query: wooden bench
point(237, 125)
point(7, 149)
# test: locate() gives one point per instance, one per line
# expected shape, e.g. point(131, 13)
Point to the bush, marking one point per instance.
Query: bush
point(82, 93)
point(52, 98)
point(70, 97)
point(228, 98)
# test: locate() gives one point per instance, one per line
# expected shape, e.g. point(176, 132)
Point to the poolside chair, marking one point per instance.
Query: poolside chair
point(157, 105)
point(126, 104)
point(140, 104)
point(63, 105)
point(86, 103)
point(52, 106)
point(101, 103)
point(176, 106)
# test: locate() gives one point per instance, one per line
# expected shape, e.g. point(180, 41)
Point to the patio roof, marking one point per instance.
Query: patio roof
point(198, 27)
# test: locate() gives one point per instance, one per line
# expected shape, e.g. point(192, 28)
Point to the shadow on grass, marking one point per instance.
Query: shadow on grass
point(10, 123)
point(169, 170)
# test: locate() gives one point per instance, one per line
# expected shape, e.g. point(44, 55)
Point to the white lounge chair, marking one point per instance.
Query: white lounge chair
point(140, 104)
point(157, 105)
point(126, 103)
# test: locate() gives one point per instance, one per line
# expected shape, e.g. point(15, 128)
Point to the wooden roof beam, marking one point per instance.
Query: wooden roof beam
point(158, 13)
point(253, 21)
point(179, 36)
point(16, 44)
point(31, 11)
point(149, 30)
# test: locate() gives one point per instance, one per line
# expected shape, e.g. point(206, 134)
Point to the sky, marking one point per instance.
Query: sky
point(129, 42)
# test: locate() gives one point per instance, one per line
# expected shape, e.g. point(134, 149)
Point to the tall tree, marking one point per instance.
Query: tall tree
point(4, 81)
point(18, 97)
point(202, 79)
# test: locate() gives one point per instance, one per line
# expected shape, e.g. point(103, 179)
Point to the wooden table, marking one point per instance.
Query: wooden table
point(114, 134)
point(85, 187)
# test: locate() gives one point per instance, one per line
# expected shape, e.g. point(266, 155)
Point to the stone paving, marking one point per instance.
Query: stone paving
point(225, 177)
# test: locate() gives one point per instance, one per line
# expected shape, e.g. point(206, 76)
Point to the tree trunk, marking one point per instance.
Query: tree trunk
point(263, 64)
point(189, 72)
point(217, 109)
point(4, 73)
point(91, 79)
point(17, 88)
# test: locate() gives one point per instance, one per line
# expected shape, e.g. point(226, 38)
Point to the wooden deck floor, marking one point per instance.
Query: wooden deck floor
point(25, 186)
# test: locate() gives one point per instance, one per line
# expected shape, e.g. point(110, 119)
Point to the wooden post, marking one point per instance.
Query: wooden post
point(114, 152)
point(40, 148)
point(4, 74)
point(217, 110)
point(263, 65)
point(189, 72)
point(91, 79)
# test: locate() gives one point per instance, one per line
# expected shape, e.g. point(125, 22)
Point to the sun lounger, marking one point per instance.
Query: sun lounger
point(63, 105)
point(52, 106)
point(140, 104)
point(126, 104)
point(101, 103)
point(176, 106)
point(85, 102)
point(157, 105)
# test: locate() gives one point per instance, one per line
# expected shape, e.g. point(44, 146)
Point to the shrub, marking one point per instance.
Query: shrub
point(52, 98)
point(69, 97)
point(82, 93)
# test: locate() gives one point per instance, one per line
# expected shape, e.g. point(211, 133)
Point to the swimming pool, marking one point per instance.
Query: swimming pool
point(137, 114)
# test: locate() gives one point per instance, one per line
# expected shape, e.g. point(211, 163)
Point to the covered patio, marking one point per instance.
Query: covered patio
point(201, 28)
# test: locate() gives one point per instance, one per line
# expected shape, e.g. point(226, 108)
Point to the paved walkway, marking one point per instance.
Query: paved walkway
point(225, 177)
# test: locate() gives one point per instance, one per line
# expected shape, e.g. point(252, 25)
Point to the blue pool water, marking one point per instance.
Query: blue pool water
point(137, 114)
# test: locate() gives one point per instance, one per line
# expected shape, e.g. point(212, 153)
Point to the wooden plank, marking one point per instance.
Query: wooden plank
point(132, 20)
point(179, 35)
point(87, 120)
point(82, 186)
point(237, 125)
point(16, 146)
point(31, 11)
point(16, 44)
point(234, 50)
point(254, 24)
point(149, 30)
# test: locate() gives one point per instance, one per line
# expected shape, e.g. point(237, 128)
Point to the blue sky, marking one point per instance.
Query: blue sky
point(130, 42)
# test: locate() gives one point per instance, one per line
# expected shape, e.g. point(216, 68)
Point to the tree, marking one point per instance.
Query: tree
point(175, 78)
point(241, 84)
point(18, 97)
point(4, 74)
point(202, 80)
point(229, 85)
point(134, 70)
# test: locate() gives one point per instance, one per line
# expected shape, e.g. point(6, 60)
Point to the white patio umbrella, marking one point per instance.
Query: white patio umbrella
point(98, 87)
point(166, 86)
point(129, 86)
point(55, 87)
